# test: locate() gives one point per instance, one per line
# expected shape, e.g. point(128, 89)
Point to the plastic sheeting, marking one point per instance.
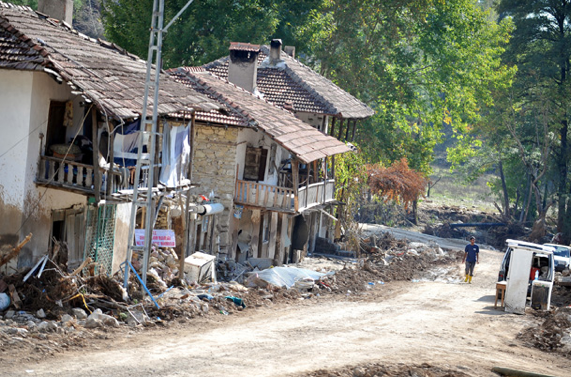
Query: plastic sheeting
point(286, 276)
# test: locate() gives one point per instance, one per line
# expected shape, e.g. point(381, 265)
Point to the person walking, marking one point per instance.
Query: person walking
point(471, 253)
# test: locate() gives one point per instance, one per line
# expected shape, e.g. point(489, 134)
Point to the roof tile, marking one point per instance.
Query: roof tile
point(31, 42)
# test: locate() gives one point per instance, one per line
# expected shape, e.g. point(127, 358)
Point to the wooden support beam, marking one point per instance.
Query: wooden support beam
point(348, 129)
point(333, 126)
point(354, 127)
point(95, 142)
point(15, 251)
point(283, 237)
point(273, 232)
point(255, 240)
point(295, 181)
point(341, 121)
point(111, 157)
point(264, 251)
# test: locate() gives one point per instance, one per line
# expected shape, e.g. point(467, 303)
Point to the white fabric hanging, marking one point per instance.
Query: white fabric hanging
point(175, 154)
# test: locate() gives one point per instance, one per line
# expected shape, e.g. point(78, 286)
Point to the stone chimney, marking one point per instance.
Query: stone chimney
point(59, 9)
point(243, 65)
point(275, 50)
point(290, 50)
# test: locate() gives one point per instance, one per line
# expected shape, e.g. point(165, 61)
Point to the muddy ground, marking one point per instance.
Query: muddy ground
point(413, 316)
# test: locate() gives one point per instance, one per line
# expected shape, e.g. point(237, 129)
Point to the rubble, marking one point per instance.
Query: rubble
point(375, 369)
point(76, 307)
point(554, 334)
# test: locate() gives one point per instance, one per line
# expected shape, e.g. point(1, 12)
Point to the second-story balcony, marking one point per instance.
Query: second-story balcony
point(69, 175)
point(283, 198)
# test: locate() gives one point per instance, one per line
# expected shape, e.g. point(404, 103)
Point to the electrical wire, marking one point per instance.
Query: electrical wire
point(24, 138)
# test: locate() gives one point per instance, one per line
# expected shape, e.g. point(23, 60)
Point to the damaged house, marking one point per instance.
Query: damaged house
point(68, 106)
point(272, 167)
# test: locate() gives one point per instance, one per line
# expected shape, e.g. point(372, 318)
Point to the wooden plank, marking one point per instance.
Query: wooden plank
point(313, 230)
point(283, 236)
point(273, 231)
point(255, 239)
point(348, 128)
point(333, 126)
point(341, 121)
point(95, 142)
point(295, 179)
point(266, 195)
point(275, 190)
point(15, 251)
point(110, 177)
point(265, 223)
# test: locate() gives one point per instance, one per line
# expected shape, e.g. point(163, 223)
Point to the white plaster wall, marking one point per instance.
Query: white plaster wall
point(249, 137)
point(24, 107)
point(15, 105)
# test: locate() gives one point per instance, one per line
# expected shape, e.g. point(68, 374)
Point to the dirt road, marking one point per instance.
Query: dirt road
point(451, 325)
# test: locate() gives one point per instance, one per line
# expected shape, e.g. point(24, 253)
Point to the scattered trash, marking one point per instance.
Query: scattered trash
point(236, 300)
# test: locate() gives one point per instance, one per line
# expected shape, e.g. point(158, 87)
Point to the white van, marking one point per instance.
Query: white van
point(562, 256)
point(526, 266)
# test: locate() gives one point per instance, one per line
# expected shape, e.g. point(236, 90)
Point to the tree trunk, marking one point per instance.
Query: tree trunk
point(562, 216)
point(505, 191)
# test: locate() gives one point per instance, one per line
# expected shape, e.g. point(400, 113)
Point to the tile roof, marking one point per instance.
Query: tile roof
point(106, 74)
point(226, 115)
point(302, 140)
point(291, 81)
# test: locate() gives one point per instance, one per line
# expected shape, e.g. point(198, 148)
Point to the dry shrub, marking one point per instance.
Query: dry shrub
point(397, 182)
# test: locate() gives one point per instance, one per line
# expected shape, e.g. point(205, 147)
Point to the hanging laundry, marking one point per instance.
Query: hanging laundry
point(175, 154)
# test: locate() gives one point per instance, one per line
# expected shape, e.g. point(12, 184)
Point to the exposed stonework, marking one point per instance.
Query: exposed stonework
point(214, 169)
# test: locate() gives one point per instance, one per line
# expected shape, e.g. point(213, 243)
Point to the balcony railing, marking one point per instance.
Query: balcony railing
point(283, 198)
point(79, 177)
point(316, 194)
point(262, 195)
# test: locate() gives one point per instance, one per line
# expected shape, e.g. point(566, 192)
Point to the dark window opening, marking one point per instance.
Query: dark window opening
point(255, 164)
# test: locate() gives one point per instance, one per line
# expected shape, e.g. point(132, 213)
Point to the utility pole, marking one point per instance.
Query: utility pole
point(143, 197)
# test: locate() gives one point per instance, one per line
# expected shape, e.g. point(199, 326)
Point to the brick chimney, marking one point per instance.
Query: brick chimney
point(243, 65)
point(59, 9)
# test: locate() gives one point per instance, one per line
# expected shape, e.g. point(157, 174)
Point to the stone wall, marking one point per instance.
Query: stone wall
point(214, 169)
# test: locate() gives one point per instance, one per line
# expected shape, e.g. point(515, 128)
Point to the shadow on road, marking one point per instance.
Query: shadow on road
point(488, 298)
point(490, 310)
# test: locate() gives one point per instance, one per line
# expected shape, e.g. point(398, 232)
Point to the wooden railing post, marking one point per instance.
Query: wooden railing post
point(295, 179)
point(110, 177)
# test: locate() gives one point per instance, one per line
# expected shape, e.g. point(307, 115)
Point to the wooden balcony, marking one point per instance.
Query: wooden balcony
point(316, 194)
point(79, 178)
point(283, 198)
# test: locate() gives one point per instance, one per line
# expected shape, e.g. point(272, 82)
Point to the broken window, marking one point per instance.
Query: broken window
point(255, 164)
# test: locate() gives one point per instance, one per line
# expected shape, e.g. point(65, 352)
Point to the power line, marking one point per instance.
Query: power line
point(22, 139)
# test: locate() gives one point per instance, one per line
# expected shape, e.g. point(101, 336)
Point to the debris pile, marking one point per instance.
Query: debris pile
point(70, 308)
point(554, 334)
point(375, 369)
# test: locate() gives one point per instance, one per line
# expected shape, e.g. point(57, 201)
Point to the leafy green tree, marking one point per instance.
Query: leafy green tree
point(204, 32)
point(541, 48)
point(420, 64)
